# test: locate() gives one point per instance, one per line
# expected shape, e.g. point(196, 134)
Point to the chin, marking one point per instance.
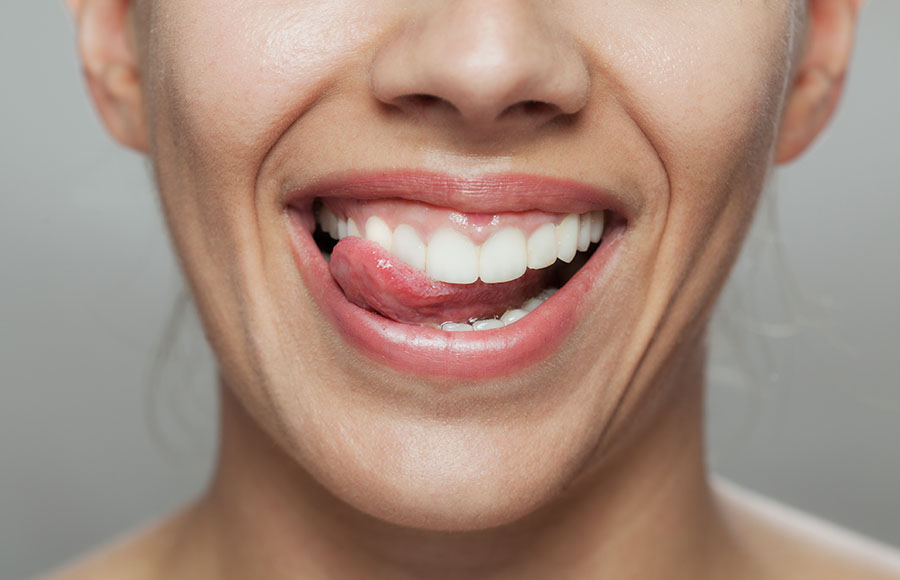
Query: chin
point(456, 488)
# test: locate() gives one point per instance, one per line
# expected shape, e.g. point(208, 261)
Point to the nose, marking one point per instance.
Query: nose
point(482, 63)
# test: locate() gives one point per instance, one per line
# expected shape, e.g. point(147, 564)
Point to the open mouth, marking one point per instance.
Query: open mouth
point(419, 264)
point(438, 280)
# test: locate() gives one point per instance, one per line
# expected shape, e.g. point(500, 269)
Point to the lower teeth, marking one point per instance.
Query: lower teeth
point(507, 318)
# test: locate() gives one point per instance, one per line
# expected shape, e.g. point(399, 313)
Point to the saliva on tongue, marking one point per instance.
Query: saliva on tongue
point(374, 279)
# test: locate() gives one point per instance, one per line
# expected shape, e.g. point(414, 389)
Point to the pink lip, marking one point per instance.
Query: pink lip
point(471, 355)
point(483, 194)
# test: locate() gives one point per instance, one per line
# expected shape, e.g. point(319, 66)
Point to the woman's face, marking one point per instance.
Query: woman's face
point(662, 114)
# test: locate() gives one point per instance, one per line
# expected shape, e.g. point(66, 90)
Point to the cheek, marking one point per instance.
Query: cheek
point(233, 75)
point(225, 79)
point(706, 89)
point(704, 81)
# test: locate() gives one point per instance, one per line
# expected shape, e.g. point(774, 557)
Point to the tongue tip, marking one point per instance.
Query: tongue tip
point(374, 279)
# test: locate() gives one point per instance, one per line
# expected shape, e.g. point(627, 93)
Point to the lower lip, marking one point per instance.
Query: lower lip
point(423, 351)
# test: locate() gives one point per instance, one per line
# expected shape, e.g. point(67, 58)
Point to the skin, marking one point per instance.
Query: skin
point(332, 466)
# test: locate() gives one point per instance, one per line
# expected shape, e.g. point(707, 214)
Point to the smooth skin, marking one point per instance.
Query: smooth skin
point(331, 466)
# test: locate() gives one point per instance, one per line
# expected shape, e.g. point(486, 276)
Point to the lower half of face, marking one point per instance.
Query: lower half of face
point(443, 251)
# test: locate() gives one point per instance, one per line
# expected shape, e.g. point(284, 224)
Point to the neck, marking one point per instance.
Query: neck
point(646, 511)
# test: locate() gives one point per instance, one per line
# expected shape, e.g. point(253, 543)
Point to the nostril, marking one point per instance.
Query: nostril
point(535, 106)
point(425, 100)
point(422, 102)
point(530, 108)
point(462, 64)
point(529, 111)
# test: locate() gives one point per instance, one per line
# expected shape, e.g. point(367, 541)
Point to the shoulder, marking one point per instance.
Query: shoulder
point(125, 558)
point(141, 554)
point(788, 543)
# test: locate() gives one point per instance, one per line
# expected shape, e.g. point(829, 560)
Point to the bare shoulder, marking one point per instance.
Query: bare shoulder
point(790, 544)
point(139, 555)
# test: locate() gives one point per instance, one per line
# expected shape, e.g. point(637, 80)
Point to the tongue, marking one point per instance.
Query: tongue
point(374, 279)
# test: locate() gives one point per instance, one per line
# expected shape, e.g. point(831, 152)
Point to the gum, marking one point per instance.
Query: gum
point(427, 219)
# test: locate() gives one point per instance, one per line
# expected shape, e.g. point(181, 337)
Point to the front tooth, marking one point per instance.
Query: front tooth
point(503, 256)
point(379, 232)
point(341, 229)
point(584, 232)
point(542, 250)
point(408, 246)
point(597, 220)
point(456, 327)
point(451, 257)
point(487, 324)
point(567, 238)
point(352, 229)
point(511, 316)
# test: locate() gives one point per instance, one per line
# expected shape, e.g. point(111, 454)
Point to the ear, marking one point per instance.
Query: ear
point(109, 58)
point(819, 78)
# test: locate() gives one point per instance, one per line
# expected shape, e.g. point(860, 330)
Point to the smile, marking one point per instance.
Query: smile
point(455, 277)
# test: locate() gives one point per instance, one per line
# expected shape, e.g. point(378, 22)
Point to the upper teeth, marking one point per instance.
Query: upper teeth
point(451, 256)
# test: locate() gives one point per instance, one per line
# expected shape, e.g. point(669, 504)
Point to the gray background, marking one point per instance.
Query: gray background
point(89, 447)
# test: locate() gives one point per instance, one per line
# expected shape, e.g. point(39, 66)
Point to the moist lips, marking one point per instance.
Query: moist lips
point(424, 351)
point(374, 279)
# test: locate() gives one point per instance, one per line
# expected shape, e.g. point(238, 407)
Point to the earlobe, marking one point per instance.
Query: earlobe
point(819, 78)
point(110, 62)
point(811, 105)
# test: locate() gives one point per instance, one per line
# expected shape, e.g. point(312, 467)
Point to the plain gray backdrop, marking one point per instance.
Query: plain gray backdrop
point(805, 382)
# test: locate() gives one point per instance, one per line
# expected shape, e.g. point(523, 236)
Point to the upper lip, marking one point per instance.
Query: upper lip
point(489, 193)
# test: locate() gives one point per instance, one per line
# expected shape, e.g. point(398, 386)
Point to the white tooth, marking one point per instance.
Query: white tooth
point(342, 229)
point(379, 232)
point(542, 297)
point(567, 237)
point(456, 327)
point(511, 316)
point(408, 246)
point(451, 257)
point(596, 226)
point(488, 324)
point(547, 293)
point(542, 250)
point(333, 226)
point(503, 256)
point(352, 229)
point(327, 221)
point(584, 232)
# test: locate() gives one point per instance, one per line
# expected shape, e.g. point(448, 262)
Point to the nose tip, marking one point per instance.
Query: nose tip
point(482, 63)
